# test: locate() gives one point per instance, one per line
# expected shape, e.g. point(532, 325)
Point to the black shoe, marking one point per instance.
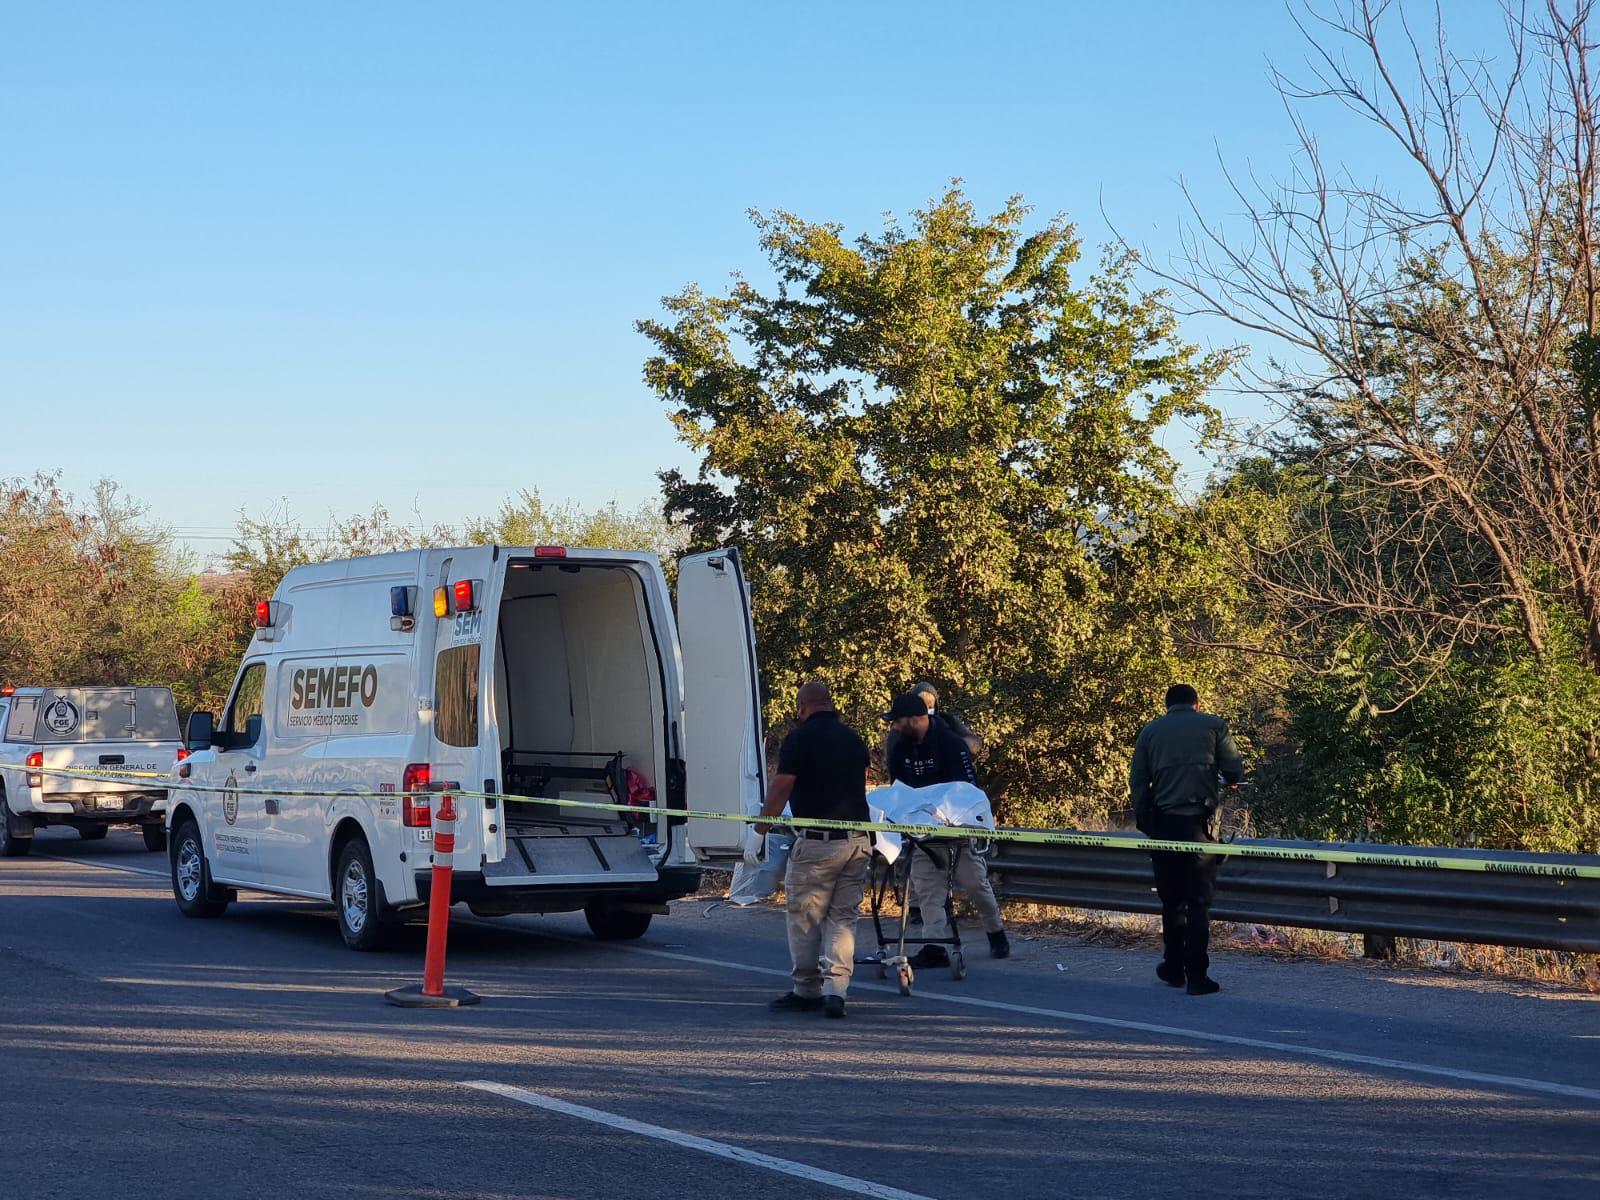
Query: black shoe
point(789, 1002)
point(931, 956)
point(833, 1006)
point(1204, 986)
point(1170, 975)
point(999, 945)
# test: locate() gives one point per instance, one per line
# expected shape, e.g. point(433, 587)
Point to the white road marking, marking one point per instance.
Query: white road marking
point(78, 862)
point(1344, 1058)
point(750, 1158)
point(1458, 1074)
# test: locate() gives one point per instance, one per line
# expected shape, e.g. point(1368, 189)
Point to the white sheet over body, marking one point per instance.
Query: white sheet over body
point(960, 804)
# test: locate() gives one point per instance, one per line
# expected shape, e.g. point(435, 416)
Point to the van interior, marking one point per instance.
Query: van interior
point(578, 691)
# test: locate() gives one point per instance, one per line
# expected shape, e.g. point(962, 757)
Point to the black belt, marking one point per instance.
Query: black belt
point(829, 835)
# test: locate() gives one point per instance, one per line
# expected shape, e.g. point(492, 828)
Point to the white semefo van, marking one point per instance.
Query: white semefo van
point(526, 673)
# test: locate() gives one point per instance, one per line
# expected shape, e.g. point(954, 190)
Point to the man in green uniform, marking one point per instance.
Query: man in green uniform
point(1172, 782)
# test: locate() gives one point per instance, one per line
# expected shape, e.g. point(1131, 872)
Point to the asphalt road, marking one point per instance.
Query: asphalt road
point(146, 1055)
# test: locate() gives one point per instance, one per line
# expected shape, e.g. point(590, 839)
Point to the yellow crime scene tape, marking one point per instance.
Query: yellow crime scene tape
point(1037, 837)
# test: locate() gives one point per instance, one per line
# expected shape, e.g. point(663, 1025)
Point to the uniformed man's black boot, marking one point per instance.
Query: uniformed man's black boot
point(1203, 985)
point(1170, 975)
point(999, 945)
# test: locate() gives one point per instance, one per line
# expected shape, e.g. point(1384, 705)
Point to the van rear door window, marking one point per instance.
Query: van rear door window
point(455, 680)
point(19, 725)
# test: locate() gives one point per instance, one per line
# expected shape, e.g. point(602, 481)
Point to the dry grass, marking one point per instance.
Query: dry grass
point(1135, 929)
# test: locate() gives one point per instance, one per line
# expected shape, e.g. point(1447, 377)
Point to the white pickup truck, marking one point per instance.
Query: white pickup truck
point(47, 730)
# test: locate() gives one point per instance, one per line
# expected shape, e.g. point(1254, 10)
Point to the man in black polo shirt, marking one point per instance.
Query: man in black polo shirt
point(822, 775)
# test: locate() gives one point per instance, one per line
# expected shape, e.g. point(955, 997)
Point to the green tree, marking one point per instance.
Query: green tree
point(265, 547)
point(942, 457)
point(1499, 749)
point(527, 520)
point(92, 593)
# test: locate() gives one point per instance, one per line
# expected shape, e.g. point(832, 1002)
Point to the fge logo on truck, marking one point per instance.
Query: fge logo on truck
point(527, 674)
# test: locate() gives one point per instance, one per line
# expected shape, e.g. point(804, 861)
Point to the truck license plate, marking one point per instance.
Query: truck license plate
point(108, 801)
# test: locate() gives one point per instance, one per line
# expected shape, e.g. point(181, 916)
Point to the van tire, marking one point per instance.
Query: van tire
point(612, 924)
point(196, 895)
point(155, 836)
point(358, 898)
point(93, 833)
point(12, 843)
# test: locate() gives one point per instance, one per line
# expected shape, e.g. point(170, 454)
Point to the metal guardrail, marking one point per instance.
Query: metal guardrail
point(1498, 909)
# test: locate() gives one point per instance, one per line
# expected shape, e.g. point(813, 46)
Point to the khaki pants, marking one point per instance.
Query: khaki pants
point(930, 874)
point(824, 886)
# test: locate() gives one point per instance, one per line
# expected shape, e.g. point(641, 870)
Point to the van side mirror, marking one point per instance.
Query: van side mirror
point(201, 732)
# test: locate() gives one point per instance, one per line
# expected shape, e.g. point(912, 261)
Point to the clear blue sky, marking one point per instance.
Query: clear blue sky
point(352, 253)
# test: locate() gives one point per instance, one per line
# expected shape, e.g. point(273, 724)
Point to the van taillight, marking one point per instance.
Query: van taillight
point(416, 811)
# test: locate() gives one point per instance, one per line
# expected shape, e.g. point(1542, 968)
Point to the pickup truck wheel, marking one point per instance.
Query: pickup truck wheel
point(355, 895)
point(611, 924)
point(155, 836)
point(12, 843)
point(93, 833)
point(192, 888)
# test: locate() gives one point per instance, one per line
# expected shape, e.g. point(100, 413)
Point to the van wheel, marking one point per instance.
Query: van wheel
point(12, 843)
point(192, 888)
point(611, 924)
point(355, 895)
point(155, 836)
point(93, 833)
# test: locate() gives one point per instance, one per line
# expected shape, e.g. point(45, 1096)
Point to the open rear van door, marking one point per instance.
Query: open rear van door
point(724, 741)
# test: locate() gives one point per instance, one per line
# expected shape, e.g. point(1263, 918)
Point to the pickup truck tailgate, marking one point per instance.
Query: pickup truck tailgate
point(157, 758)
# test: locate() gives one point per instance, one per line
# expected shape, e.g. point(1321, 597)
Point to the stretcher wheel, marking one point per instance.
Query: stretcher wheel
point(904, 974)
point(958, 964)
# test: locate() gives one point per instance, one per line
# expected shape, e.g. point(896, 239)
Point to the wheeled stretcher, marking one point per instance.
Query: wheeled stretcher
point(893, 878)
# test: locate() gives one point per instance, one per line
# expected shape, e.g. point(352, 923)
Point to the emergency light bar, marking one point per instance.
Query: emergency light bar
point(270, 615)
point(460, 597)
point(402, 609)
point(8, 690)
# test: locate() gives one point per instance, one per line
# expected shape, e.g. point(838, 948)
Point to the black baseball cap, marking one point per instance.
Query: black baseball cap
point(909, 705)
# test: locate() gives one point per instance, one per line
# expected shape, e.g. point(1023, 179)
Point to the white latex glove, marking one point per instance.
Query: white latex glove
point(754, 844)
